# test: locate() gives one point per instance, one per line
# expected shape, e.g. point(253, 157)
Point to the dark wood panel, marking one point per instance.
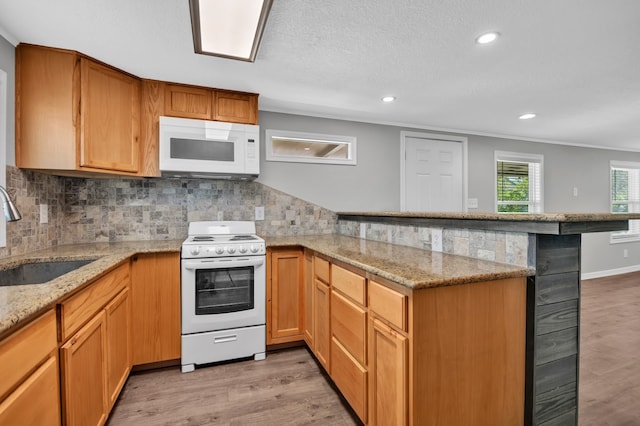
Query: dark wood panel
point(556, 373)
point(557, 345)
point(556, 316)
point(556, 402)
point(585, 227)
point(557, 254)
point(557, 287)
point(566, 419)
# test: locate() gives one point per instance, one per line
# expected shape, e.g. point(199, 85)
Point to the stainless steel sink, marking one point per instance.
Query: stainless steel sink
point(40, 272)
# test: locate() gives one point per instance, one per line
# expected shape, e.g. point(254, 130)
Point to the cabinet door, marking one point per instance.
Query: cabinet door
point(83, 366)
point(118, 346)
point(308, 298)
point(322, 323)
point(235, 107)
point(110, 118)
point(188, 102)
point(286, 319)
point(36, 402)
point(155, 297)
point(388, 375)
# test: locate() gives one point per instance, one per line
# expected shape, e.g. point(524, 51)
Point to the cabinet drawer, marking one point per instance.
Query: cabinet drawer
point(321, 269)
point(81, 307)
point(388, 304)
point(351, 284)
point(36, 401)
point(349, 326)
point(22, 351)
point(350, 377)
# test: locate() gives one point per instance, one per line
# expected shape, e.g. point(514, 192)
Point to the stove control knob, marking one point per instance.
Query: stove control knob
point(242, 249)
point(195, 250)
point(254, 249)
point(231, 250)
point(219, 250)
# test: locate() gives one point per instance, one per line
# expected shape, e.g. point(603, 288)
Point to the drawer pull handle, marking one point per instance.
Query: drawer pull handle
point(225, 339)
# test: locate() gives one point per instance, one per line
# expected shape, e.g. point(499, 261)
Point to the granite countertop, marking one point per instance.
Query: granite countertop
point(21, 302)
point(407, 266)
point(518, 217)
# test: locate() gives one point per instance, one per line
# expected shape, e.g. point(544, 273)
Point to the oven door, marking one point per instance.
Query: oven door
point(219, 294)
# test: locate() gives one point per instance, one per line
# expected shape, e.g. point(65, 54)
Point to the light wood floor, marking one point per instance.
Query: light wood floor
point(289, 388)
point(610, 351)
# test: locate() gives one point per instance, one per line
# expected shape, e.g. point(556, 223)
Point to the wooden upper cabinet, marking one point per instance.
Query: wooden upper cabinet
point(188, 101)
point(74, 115)
point(235, 107)
point(110, 118)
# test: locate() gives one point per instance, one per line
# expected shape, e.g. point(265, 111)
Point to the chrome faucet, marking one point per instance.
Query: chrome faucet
point(10, 210)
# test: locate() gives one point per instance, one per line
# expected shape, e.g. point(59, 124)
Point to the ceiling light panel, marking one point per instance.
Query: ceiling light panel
point(229, 28)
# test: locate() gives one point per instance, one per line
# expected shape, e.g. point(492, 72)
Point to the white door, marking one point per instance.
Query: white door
point(433, 175)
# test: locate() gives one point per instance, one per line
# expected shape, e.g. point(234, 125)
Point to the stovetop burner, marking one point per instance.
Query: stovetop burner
point(203, 238)
point(243, 238)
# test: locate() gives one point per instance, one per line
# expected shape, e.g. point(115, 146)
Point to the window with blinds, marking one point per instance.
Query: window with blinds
point(625, 197)
point(518, 182)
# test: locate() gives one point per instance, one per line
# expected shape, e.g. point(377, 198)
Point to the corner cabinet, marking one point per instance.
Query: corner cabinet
point(155, 294)
point(74, 115)
point(284, 295)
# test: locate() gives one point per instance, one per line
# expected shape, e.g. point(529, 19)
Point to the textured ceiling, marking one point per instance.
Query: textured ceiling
point(574, 62)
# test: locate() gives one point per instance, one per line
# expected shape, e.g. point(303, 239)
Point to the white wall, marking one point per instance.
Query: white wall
point(374, 184)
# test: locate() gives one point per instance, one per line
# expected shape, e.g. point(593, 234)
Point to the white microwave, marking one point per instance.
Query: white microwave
point(208, 149)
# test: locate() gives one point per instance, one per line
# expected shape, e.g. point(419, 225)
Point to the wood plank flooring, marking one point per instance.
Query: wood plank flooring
point(609, 392)
point(289, 388)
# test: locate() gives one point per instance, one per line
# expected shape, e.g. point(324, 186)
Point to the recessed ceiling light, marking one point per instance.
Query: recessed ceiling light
point(527, 116)
point(388, 99)
point(487, 38)
point(228, 28)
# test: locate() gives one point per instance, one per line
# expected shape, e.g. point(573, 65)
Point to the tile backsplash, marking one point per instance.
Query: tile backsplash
point(497, 246)
point(125, 209)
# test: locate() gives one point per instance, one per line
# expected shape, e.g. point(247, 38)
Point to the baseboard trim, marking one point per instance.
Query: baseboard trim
point(610, 272)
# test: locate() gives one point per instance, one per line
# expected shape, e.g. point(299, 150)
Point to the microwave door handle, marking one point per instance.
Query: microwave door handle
point(230, 262)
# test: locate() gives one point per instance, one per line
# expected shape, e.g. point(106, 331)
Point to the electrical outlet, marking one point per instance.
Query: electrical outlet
point(575, 191)
point(472, 203)
point(220, 215)
point(625, 253)
point(44, 213)
point(436, 239)
point(363, 231)
point(259, 213)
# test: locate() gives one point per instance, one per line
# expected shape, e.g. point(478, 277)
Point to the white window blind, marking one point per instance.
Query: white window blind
point(519, 182)
point(625, 197)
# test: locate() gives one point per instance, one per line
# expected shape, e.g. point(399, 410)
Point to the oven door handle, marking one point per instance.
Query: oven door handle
point(222, 263)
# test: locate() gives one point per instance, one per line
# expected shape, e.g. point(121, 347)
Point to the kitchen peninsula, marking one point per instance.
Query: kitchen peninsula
point(550, 244)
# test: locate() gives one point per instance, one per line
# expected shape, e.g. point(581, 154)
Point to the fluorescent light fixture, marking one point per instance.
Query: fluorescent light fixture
point(229, 28)
point(487, 38)
point(527, 116)
point(388, 99)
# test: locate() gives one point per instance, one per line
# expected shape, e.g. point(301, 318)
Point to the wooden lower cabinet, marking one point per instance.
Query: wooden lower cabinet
point(285, 296)
point(350, 377)
point(83, 367)
point(308, 299)
point(322, 323)
point(118, 344)
point(29, 378)
point(155, 302)
point(36, 402)
point(388, 377)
